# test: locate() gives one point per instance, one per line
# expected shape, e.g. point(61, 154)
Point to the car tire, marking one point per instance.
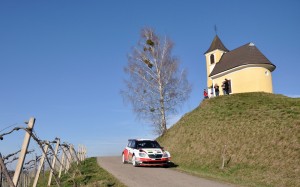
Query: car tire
point(166, 166)
point(134, 161)
point(123, 159)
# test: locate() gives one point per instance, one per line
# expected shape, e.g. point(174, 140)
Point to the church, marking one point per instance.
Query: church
point(245, 69)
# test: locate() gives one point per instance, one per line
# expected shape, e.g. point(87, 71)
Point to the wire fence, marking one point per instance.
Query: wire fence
point(55, 157)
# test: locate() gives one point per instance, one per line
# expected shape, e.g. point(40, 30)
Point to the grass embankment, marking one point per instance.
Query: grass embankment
point(257, 134)
point(86, 174)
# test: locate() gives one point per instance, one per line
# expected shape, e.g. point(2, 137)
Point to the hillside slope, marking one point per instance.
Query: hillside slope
point(257, 135)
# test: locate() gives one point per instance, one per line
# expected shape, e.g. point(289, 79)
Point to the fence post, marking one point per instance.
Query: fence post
point(5, 172)
point(74, 153)
point(84, 153)
point(62, 163)
point(24, 179)
point(69, 159)
point(223, 157)
point(53, 161)
point(79, 152)
point(0, 176)
point(35, 164)
point(70, 154)
point(23, 152)
point(40, 165)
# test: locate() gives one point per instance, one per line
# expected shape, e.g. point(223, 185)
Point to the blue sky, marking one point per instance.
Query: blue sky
point(62, 61)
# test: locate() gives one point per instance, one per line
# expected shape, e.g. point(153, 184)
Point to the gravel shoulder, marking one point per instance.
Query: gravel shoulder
point(152, 176)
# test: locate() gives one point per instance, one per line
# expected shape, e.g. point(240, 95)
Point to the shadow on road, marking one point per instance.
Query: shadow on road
point(172, 165)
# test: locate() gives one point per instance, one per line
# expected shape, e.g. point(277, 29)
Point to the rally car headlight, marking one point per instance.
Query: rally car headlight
point(165, 154)
point(142, 154)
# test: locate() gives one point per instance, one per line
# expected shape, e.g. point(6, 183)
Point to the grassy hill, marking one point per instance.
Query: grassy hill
point(255, 136)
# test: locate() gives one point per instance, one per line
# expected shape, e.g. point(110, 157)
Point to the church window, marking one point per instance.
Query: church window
point(212, 59)
point(267, 73)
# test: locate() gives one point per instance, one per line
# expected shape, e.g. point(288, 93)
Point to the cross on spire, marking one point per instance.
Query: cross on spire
point(216, 29)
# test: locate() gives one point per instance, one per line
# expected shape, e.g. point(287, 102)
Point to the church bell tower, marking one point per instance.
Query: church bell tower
point(213, 56)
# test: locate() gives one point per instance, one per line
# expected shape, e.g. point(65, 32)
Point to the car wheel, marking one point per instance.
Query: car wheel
point(123, 159)
point(134, 161)
point(166, 166)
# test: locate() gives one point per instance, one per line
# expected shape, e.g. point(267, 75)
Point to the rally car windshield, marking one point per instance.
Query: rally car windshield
point(147, 144)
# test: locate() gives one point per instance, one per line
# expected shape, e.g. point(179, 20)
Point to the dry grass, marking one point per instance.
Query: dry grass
point(261, 133)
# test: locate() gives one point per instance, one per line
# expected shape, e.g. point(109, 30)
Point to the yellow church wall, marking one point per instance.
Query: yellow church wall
point(249, 79)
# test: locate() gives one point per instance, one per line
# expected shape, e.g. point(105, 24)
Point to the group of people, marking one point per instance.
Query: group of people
point(225, 88)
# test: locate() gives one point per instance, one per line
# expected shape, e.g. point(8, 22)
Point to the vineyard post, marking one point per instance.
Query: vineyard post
point(79, 152)
point(23, 152)
point(64, 151)
point(74, 153)
point(35, 164)
point(71, 154)
point(24, 179)
point(5, 172)
point(1, 176)
point(62, 162)
point(53, 161)
point(223, 157)
point(69, 160)
point(40, 165)
point(84, 152)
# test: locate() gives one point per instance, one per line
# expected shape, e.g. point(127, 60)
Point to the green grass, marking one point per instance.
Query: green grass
point(262, 136)
point(86, 174)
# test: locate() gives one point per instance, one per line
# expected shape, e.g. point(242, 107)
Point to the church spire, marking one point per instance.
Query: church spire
point(216, 44)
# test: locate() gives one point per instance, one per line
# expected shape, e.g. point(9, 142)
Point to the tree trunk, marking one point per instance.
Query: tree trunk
point(163, 127)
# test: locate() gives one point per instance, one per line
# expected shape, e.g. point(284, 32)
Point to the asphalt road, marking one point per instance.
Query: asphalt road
point(152, 176)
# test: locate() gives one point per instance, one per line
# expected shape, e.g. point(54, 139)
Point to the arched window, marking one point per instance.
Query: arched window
point(212, 59)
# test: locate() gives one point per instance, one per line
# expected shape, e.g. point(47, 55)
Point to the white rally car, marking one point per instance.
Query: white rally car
point(145, 152)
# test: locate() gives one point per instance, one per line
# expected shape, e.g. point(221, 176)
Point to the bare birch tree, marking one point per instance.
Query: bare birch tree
point(156, 87)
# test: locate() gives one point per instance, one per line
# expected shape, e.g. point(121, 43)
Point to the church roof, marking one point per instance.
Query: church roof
point(216, 44)
point(244, 55)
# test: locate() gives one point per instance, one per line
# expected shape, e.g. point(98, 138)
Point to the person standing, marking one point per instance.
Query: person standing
point(225, 87)
point(217, 91)
point(205, 94)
